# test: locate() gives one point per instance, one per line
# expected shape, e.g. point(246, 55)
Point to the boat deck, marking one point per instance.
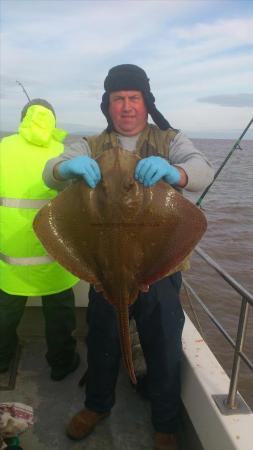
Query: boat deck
point(129, 426)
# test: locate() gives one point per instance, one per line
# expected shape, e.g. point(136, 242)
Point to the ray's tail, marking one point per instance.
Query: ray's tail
point(124, 332)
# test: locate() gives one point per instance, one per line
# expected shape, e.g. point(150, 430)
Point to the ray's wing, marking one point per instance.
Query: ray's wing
point(172, 226)
point(64, 226)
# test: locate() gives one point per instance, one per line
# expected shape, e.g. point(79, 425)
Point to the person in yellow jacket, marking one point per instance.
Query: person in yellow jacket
point(25, 268)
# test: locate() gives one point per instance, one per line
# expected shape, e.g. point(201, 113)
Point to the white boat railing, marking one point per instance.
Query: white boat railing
point(232, 402)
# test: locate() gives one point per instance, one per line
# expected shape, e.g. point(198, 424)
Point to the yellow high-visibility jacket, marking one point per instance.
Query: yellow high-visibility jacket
point(25, 267)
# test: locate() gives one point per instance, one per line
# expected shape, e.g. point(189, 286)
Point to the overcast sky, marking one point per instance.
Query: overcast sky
point(197, 54)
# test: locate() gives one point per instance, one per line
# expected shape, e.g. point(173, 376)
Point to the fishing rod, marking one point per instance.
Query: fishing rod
point(235, 147)
point(24, 90)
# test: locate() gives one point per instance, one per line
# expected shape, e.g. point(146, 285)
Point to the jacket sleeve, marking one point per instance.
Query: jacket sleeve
point(71, 150)
point(199, 170)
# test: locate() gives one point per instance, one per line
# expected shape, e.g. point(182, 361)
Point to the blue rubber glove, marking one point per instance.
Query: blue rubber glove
point(81, 166)
point(150, 170)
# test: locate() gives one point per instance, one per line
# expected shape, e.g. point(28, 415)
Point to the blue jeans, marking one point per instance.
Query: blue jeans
point(159, 318)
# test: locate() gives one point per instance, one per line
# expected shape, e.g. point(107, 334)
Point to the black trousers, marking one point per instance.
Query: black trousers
point(159, 318)
point(60, 321)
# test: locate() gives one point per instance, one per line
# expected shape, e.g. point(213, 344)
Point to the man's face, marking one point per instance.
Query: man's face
point(128, 112)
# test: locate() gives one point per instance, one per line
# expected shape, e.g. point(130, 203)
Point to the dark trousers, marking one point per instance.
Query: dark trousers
point(159, 319)
point(59, 314)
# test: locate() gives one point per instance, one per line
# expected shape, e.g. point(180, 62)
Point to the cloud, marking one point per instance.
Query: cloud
point(237, 100)
point(62, 51)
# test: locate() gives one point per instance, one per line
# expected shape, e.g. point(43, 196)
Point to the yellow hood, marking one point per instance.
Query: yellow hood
point(38, 126)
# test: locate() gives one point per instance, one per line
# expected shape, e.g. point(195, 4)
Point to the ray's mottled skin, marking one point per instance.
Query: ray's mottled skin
point(121, 235)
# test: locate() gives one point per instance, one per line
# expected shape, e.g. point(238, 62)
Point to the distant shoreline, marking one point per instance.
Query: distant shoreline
point(87, 133)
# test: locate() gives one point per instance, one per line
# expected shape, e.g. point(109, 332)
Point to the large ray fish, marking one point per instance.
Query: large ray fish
point(120, 236)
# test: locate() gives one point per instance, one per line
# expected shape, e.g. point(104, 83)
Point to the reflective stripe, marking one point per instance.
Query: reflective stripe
point(22, 203)
point(31, 261)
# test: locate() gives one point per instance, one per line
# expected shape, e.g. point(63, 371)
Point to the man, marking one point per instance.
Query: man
point(166, 154)
point(25, 269)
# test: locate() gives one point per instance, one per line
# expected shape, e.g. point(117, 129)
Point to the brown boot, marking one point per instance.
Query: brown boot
point(83, 423)
point(165, 441)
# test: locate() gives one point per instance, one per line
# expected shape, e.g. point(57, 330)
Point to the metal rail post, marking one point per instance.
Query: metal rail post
point(240, 339)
